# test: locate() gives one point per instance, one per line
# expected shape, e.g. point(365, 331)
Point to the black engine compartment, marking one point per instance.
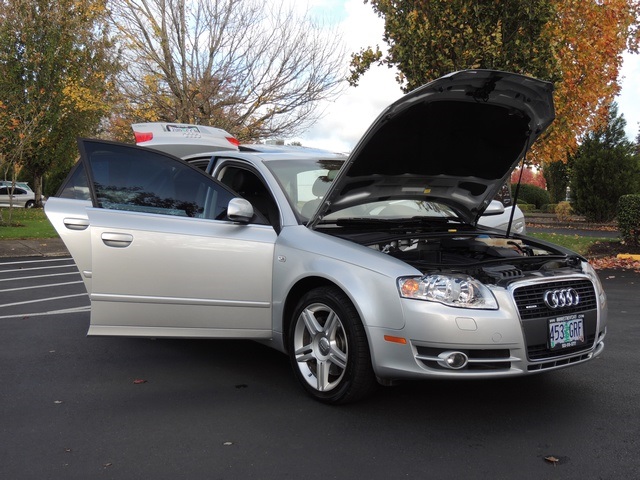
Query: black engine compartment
point(489, 257)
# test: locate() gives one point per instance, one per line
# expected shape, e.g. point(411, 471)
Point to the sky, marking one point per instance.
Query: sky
point(347, 118)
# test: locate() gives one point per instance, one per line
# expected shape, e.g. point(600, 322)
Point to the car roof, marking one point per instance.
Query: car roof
point(268, 148)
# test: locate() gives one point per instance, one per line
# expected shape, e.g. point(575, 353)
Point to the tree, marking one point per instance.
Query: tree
point(430, 38)
point(530, 176)
point(55, 68)
point(603, 169)
point(557, 176)
point(577, 44)
point(253, 69)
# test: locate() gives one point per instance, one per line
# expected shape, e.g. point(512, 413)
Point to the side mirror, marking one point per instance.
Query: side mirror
point(239, 210)
point(495, 208)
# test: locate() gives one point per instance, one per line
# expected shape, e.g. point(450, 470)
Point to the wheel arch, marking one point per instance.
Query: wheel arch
point(373, 295)
point(303, 286)
point(357, 379)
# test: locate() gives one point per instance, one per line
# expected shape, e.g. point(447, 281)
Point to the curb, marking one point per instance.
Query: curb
point(629, 256)
point(43, 247)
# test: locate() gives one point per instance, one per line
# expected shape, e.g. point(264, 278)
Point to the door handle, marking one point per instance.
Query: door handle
point(76, 223)
point(117, 240)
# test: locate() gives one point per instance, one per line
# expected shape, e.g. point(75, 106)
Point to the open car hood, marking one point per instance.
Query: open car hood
point(455, 140)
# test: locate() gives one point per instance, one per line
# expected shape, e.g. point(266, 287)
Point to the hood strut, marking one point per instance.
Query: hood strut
point(515, 195)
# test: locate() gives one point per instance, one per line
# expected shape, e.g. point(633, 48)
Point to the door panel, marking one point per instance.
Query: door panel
point(67, 212)
point(157, 273)
point(69, 218)
point(158, 255)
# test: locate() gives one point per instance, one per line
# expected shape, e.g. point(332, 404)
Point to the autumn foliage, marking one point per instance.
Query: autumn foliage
point(529, 176)
point(577, 44)
point(590, 37)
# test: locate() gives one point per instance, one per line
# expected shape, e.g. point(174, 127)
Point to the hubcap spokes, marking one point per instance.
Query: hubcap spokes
point(320, 347)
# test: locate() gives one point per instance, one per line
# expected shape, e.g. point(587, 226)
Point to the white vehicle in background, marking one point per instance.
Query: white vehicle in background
point(20, 196)
point(193, 143)
point(501, 221)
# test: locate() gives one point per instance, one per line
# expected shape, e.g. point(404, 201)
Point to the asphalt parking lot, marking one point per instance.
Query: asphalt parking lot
point(77, 407)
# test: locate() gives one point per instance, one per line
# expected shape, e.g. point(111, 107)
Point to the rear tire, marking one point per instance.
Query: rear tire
point(30, 204)
point(328, 348)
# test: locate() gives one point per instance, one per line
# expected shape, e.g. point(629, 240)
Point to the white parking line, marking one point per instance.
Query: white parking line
point(52, 312)
point(40, 286)
point(37, 268)
point(14, 279)
point(37, 261)
point(43, 300)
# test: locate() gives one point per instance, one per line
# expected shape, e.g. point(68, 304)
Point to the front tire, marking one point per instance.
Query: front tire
point(328, 347)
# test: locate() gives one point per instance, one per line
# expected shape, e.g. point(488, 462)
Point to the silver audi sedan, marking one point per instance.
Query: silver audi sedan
point(365, 270)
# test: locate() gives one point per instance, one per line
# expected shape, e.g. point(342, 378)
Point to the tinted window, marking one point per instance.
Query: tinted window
point(16, 191)
point(76, 185)
point(136, 179)
point(305, 181)
point(250, 187)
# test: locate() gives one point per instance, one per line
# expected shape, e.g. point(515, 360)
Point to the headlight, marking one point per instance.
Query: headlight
point(519, 226)
point(593, 275)
point(454, 290)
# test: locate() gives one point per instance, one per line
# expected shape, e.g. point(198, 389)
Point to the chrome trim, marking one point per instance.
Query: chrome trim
point(566, 297)
point(102, 297)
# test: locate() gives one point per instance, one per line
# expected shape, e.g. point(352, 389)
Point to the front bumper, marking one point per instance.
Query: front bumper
point(510, 341)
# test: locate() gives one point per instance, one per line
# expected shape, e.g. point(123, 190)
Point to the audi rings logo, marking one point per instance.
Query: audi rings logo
point(567, 297)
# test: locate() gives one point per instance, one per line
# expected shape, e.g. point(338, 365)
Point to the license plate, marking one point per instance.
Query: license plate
point(183, 128)
point(567, 331)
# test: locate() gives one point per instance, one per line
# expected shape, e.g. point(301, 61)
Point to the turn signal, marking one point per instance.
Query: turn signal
point(410, 287)
point(400, 340)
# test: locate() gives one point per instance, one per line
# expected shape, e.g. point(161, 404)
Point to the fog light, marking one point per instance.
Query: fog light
point(453, 360)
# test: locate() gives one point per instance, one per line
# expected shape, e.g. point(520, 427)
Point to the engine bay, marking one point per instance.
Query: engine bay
point(489, 258)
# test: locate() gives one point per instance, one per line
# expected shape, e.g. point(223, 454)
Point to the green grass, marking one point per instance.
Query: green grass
point(574, 242)
point(25, 223)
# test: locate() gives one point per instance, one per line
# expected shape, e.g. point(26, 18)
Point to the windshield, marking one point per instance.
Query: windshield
point(306, 181)
point(394, 210)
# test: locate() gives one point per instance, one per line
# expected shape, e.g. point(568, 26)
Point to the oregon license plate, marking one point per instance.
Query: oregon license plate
point(566, 331)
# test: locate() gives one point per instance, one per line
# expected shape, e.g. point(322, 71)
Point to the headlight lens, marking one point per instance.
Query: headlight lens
point(591, 272)
point(454, 290)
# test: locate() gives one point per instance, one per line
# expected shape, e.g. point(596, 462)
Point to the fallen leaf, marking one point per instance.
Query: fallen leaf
point(226, 444)
point(552, 459)
point(57, 402)
point(106, 465)
point(138, 381)
point(615, 263)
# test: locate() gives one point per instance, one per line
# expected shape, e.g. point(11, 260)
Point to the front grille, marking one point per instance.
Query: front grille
point(535, 316)
point(558, 363)
point(541, 351)
point(530, 299)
